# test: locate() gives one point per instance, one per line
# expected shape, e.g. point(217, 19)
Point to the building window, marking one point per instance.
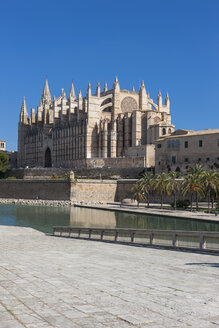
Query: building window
point(217, 158)
point(177, 143)
point(164, 131)
point(200, 143)
point(207, 159)
point(186, 160)
point(173, 143)
point(169, 144)
point(158, 163)
point(159, 145)
point(173, 159)
point(199, 160)
point(169, 131)
point(218, 142)
point(186, 144)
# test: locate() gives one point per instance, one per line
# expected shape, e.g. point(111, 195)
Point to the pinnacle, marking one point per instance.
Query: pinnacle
point(46, 89)
point(24, 106)
point(133, 88)
point(72, 91)
point(105, 87)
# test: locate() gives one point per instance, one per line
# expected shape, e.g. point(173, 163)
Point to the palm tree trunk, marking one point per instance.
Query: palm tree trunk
point(191, 200)
point(196, 201)
point(208, 201)
point(212, 201)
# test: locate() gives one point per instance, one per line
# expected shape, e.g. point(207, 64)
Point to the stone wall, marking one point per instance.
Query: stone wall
point(91, 173)
point(94, 190)
point(32, 189)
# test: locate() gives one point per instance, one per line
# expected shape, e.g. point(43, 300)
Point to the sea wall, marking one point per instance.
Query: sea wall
point(35, 189)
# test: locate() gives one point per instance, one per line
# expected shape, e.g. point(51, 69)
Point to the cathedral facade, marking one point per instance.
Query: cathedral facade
point(107, 129)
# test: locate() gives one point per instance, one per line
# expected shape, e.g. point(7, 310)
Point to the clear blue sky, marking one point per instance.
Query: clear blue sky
point(173, 45)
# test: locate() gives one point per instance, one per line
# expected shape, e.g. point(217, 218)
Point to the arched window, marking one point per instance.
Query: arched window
point(169, 131)
point(164, 131)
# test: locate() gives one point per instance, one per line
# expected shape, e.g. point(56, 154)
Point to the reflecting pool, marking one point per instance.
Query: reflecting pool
point(43, 218)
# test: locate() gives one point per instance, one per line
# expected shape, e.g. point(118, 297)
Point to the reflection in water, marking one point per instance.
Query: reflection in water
point(43, 218)
point(87, 217)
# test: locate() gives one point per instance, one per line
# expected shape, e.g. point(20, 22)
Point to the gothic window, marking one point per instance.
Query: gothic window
point(173, 159)
point(169, 131)
point(164, 131)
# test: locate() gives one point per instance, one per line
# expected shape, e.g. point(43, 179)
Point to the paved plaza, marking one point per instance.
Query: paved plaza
point(49, 281)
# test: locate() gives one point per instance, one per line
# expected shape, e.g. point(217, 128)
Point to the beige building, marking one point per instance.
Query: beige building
point(111, 128)
point(2, 145)
point(184, 148)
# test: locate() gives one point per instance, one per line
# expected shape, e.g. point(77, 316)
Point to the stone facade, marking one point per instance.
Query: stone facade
point(115, 128)
point(184, 148)
point(2, 145)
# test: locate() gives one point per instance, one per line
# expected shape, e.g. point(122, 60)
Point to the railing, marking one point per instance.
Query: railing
point(201, 240)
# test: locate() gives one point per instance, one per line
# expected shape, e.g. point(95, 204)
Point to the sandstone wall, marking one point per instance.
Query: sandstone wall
point(94, 190)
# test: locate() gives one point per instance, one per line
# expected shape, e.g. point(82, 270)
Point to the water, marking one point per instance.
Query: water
point(43, 218)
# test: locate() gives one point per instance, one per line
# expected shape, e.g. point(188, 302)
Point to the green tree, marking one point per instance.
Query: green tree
point(173, 185)
point(192, 185)
point(210, 181)
point(138, 193)
point(160, 185)
point(197, 170)
point(146, 185)
point(3, 163)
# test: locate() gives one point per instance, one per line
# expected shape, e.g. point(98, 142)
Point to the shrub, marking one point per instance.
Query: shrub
point(67, 176)
point(181, 203)
point(11, 178)
point(54, 177)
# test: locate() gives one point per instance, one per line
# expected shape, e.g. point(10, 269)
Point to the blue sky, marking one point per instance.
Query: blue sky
point(172, 45)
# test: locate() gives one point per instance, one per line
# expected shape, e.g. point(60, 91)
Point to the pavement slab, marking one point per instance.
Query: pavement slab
point(48, 281)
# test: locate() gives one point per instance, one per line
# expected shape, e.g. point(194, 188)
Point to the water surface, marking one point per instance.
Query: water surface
point(43, 218)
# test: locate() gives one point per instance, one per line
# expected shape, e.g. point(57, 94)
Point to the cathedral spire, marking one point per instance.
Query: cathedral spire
point(142, 88)
point(105, 87)
point(98, 90)
point(133, 89)
point(159, 100)
point(72, 92)
point(116, 86)
point(80, 94)
point(24, 113)
point(167, 100)
point(46, 96)
point(89, 89)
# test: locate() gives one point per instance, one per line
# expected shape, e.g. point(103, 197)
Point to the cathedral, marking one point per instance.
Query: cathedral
point(111, 128)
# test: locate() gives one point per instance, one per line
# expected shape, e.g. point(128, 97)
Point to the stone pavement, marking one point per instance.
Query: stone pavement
point(48, 281)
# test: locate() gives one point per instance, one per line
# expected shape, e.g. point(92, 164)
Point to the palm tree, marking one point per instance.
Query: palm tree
point(146, 182)
point(197, 170)
point(138, 193)
point(192, 185)
point(160, 185)
point(210, 180)
point(173, 185)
